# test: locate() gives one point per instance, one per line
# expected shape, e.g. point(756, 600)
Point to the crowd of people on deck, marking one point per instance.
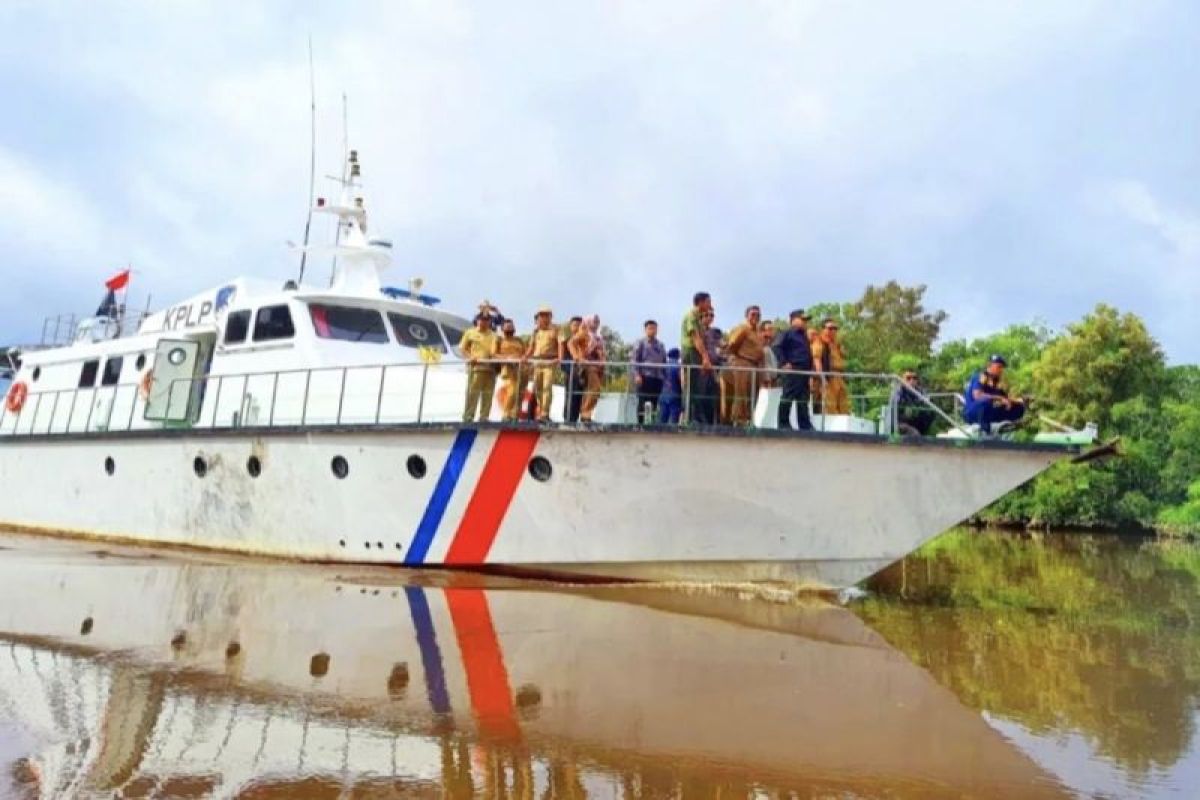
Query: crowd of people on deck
point(712, 378)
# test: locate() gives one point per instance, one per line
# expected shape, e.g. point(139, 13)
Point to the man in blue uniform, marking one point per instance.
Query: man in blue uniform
point(794, 355)
point(987, 400)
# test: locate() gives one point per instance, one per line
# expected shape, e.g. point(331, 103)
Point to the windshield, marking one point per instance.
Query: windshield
point(416, 332)
point(348, 324)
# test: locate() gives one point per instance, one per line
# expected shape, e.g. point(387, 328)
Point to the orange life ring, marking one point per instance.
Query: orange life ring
point(147, 380)
point(15, 400)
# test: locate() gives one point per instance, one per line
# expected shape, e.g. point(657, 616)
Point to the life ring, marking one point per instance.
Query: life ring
point(15, 400)
point(147, 381)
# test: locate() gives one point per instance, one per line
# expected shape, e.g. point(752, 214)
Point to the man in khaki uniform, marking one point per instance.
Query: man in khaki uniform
point(829, 359)
point(543, 351)
point(478, 346)
point(511, 350)
point(745, 353)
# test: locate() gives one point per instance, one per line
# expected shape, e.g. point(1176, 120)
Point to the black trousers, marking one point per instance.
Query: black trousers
point(702, 391)
point(573, 383)
point(647, 395)
point(795, 392)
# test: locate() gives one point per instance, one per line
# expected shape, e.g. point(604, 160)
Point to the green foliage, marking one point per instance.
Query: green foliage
point(890, 319)
point(1104, 359)
point(1021, 345)
point(1183, 519)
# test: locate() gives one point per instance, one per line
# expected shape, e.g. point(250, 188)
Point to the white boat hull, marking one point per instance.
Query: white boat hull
point(820, 511)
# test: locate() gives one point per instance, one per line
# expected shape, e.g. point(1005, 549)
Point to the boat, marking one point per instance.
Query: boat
point(324, 423)
point(139, 676)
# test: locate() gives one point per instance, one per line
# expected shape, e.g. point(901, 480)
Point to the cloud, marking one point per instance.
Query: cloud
point(616, 156)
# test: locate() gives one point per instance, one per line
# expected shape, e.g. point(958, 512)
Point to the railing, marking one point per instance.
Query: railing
point(415, 393)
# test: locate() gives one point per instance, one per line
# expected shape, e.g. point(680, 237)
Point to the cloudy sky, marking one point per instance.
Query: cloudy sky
point(1024, 159)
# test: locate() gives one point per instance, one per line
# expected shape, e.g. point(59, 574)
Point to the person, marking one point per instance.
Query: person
point(987, 400)
point(794, 355)
point(766, 332)
point(699, 378)
point(670, 402)
point(829, 360)
point(573, 397)
point(478, 346)
point(746, 359)
point(913, 416)
point(511, 351)
point(543, 352)
point(714, 340)
point(587, 348)
point(649, 356)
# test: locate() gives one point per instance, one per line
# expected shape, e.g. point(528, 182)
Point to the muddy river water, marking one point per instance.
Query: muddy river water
point(988, 665)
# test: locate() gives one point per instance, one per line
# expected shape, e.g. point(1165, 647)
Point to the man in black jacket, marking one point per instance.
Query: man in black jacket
point(794, 355)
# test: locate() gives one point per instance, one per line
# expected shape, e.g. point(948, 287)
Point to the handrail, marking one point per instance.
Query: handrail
point(349, 401)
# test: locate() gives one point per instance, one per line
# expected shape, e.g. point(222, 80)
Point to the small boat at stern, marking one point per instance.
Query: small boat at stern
point(324, 424)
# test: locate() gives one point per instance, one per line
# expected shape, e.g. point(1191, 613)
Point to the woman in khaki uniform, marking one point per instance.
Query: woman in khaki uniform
point(511, 350)
point(829, 359)
point(587, 348)
point(746, 352)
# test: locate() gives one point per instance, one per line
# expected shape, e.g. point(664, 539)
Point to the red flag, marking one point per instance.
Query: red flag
point(118, 281)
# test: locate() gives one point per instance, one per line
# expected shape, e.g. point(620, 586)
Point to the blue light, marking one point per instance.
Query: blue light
point(396, 293)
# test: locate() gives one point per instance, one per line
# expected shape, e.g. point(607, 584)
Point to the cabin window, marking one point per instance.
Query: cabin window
point(112, 371)
point(273, 322)
point(237, 325)
point(416, 332)
point(87, 375)
point(348, 324)
point(454, 335)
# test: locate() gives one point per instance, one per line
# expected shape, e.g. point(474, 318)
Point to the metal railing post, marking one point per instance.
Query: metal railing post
point(53, 413)
point(304, 403)
point(421, 396)
point(132, 406)
point(341, 397)
point(685, 384)
point(71, 412)
point(274, 394)
point(379, 396)
point(87, 425)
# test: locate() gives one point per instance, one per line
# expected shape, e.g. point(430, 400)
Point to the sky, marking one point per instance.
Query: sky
point(1024, 160)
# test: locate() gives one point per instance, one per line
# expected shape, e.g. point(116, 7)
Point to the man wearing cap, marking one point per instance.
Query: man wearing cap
point(699, 377)
point(478, 346)
point(543, 351)
point(670, 402)
point(571, 376)
point(794, 355)
point(987, 399)
point(649, 356)
point(746, 357)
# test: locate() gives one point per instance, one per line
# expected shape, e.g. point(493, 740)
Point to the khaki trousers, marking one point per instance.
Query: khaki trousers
point(514, 387)
point(593, 378)
point(743, 391)
point(481, 385)
point(543, 388)
point(832, 396)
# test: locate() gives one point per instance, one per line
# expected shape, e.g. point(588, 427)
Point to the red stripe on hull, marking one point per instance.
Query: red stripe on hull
point(493, 494)
point(487, 678)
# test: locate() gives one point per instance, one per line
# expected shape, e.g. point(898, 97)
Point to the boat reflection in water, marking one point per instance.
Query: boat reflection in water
point(126, 675)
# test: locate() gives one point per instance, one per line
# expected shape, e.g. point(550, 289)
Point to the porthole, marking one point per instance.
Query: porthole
point(86, 627)
point(341, 542)
point(540, 469)
point(340, 467)
point(199, 466)
point(318, 666)
point(141, 361)
point(177, 356)
point(110, 466)
point(379, 545)
point(397, 680)
point(416, 467)
point(37, 373)
point(232, 649)
point(254, 466)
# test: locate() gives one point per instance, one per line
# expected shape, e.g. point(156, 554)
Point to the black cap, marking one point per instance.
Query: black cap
point(998, 359)
point(799, 312)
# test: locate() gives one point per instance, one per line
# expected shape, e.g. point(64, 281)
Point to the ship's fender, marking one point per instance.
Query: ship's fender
point(15, 400)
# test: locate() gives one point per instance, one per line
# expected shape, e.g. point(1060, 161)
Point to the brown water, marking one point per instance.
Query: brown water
point(988, 666)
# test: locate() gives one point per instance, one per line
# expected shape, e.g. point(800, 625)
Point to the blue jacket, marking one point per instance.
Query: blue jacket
point(792, 348)
point(983, 382)
point(672, 388)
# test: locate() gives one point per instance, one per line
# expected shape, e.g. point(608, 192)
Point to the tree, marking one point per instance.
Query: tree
point(888, 320)
point(1104, 359)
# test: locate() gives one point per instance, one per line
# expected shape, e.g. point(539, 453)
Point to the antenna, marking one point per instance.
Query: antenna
point(312, 157)
point(345, 178)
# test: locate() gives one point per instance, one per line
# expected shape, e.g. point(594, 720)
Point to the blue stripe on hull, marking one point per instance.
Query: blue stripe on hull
point(442, 493)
